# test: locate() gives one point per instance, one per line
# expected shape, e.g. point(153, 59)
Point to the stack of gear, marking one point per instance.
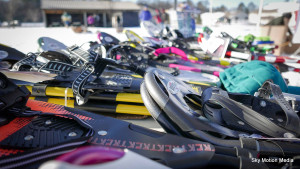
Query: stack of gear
point(57, 105)
point(214, 127)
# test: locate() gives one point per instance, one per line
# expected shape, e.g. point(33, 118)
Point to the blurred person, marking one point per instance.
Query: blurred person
point(193, 23)
point(119, 24)
point(157, 18)
point(236, 19)
point(145, 14)
point(186, 6)
point(91, 20)
point(119, 21)
point(164, 17)
point(97, 20)
point(66, 19)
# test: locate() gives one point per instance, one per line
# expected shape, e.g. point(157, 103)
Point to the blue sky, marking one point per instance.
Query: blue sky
point(217, 3)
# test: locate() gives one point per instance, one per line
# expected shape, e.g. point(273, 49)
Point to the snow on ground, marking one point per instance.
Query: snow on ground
point(25, 38)
point(293, 78)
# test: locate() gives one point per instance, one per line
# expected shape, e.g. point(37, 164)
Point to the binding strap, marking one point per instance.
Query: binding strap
point(80, 81)
point(57, 67)
point(89, 69)
point(29, 60)
point(212, 98)
point(292, 119)
point(173, 50)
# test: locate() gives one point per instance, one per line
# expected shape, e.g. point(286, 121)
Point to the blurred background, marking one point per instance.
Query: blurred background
point(48, 12)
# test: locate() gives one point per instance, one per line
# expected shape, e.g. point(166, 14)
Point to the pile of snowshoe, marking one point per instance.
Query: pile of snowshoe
point(62, 107)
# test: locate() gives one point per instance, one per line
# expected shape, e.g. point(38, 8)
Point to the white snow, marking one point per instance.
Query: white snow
point(25, 38)
point(293, 78)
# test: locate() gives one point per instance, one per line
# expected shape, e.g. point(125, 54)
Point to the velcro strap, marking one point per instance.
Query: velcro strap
point(249, 143)
point(80, 57)
point(292, 119)
point(246, 153)
point(81, 79)
point(244, 113)
point(57, 66)
point(246, 163)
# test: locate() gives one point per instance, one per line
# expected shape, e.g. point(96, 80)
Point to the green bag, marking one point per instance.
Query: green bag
point(249, 76)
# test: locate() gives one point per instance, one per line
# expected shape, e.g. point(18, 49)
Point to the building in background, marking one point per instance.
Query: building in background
point(105, 11)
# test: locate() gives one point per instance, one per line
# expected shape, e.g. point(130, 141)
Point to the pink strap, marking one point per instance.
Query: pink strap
point(217, 74)
point(99, 35)
point(181, 67)
point(171, 50)
point(198, 62)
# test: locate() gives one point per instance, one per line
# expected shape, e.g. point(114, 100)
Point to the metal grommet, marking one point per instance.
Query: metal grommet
point(102, 132)
point(263, 103)
point(241, 123)
point(178, 150)
point(280, 120)
point(72, 134)
point(48, 122)
point(28, 137)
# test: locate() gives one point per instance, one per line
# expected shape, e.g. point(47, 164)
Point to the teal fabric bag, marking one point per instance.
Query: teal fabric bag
point(248, 77)
point(294, 90)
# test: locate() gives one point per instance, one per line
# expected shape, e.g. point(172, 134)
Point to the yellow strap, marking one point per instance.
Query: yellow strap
point(190, 57)
point(199, 83)
point(132, 45)
point(129, 97)
point(67, 92)
point(121, 108)
point(137, 76)
point(224, 62)
point(132, 109)
point(56, 91)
